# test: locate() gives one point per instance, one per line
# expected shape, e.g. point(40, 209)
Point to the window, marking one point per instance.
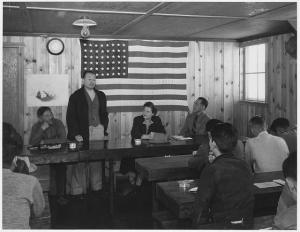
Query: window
point(255, 73)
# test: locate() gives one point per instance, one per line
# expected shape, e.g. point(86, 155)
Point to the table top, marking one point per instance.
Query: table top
point(113, 149)
point(165, 168)
point(181, 201)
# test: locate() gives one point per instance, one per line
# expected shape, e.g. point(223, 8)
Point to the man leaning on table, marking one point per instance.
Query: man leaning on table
point(225, 194)
point(195, 122)
point(87, 119)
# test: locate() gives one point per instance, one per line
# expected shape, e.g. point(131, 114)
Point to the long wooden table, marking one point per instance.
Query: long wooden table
point(180, 202)
point(111, 151)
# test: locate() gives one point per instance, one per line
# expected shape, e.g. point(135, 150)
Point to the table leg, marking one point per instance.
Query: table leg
point(111, 187)
point(154, 201)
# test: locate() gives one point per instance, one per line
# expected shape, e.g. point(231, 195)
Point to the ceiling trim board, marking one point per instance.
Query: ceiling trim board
point(261, 36)
point(157, 7)
point(198, 16)
point(125, 12)
point(46, 35)
point(85, 11)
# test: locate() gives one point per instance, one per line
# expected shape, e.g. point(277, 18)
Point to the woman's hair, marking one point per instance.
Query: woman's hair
point(12, 143)
point(151, 105)
point(42, 110)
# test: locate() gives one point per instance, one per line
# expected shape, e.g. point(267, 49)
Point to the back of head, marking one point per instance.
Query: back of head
point(279, 125)
point(225, 137)
point(12, 143)
point(289, 166)
point(211, 124)
point(257, 124)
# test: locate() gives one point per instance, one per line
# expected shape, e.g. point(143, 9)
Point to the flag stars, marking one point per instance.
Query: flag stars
point(84, 44)
point(101, 45)
point(107, 57)
point(123, 45)
point(97, 51)
point(91, 50)
point(90, 45)
point(85, 50)
point(91, 57)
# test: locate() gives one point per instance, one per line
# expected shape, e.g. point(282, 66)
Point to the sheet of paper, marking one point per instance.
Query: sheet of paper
point(193, 189)
point(180, 137)
point(279, 181)
point(270, 184)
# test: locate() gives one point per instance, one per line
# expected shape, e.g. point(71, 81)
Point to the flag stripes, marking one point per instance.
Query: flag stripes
point(156, 71)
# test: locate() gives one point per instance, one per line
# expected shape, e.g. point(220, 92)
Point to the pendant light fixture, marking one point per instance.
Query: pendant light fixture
point(85, 23)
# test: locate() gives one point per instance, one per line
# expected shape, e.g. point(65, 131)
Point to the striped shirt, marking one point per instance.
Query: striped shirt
point(20, 193)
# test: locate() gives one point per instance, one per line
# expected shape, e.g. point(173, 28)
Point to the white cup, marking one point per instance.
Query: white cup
point(138, 141)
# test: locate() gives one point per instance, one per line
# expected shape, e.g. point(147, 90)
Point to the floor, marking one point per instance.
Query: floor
point(91, 211)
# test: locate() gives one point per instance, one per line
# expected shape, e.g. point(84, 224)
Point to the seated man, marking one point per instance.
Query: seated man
point(22, 194)
point(201, 157)
point(280, 127)
point(264, 152)
point(195, 122)
point(225, 192)
point(49, 129)
point(287, 219)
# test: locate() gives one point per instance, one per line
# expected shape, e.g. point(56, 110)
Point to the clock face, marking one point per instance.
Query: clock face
point(55, 46)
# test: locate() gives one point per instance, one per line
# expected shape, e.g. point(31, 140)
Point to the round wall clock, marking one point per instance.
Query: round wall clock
point(55, 46)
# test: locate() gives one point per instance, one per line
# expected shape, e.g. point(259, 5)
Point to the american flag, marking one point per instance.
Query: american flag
point(133, 72)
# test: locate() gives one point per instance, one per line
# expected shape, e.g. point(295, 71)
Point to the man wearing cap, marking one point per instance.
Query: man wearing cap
point(87, 119)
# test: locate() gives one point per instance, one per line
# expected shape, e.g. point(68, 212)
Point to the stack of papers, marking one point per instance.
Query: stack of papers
point(180, 137)
point(270, 184)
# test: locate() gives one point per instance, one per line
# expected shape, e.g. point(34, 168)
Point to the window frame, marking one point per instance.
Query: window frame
point(243, 47)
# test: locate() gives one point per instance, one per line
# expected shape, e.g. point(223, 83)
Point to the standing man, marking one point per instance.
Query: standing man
point(195, 122)
point(87, 119)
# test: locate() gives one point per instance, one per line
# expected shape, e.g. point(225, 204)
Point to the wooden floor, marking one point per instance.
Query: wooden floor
point(91, 211)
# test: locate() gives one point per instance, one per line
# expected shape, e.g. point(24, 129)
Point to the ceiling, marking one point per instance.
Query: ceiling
point(239, 21)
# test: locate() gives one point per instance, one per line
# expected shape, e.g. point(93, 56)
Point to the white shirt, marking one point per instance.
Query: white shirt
point(266, 152)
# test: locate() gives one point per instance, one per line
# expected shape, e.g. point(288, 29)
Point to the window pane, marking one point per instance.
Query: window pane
point(261, 58)
point(261, 87)
point(251, 87)
point(251, 59)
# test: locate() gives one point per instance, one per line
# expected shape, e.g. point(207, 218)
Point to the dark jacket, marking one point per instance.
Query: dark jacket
point(225, 192)
point(77, 114)
point(55, 131)
point(139, 129)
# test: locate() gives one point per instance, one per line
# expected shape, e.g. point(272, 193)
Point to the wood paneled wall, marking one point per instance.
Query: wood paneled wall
point(281, 88)
point(213, 72)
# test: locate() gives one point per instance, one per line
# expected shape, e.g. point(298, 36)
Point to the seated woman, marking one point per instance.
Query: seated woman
point(22, 194)
point(143, 125)
point(48, 130)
